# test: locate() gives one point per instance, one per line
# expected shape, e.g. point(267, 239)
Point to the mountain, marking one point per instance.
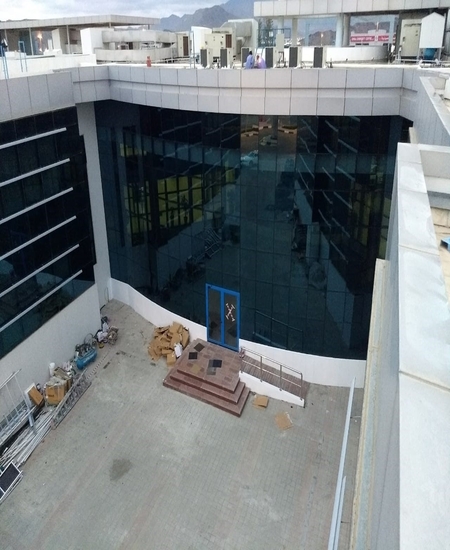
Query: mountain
point(243, 9)
point(205, 17)
point(215, 16)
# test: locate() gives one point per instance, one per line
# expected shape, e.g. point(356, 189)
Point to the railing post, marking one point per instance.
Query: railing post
point(260, 368)
point(281, 376)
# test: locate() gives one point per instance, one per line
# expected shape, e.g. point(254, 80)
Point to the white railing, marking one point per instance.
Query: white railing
point(333, 541)
point(255, 359)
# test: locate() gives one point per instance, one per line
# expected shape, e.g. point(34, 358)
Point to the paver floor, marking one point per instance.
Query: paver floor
point(138, 466)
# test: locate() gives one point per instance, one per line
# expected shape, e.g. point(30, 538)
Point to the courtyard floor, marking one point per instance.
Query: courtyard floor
point(136, 466)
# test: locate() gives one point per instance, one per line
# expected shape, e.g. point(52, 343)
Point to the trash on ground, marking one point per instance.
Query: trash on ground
point(283, 421)
point(260, 401)
point(168, 341)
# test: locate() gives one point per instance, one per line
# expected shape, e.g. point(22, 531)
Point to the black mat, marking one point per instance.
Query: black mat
point(199, 347)
point(214, 363)
point(193, 355)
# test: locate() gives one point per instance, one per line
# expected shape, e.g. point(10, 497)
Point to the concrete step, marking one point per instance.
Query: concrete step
point(208, 387)
point(214, 400)
point(223, 379)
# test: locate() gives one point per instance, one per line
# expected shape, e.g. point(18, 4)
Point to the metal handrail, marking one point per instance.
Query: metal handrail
point(333, 541)
point(260, 356)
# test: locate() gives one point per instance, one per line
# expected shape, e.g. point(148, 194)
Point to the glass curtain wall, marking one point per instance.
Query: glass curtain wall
point(46, 240)
point(291, 212)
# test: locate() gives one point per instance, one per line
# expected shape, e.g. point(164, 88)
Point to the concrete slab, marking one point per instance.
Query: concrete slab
point(136, 466)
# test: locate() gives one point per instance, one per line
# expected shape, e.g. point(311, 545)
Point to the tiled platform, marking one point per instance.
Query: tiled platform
point(209, 373)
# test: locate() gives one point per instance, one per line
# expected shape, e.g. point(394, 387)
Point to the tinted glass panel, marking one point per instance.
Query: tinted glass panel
point(290, 212)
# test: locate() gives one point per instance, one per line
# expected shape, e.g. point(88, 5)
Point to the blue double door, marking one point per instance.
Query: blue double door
point(222, 316)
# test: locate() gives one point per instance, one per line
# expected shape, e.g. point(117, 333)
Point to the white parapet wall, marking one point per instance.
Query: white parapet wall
point(327, 371)
point(350, 54)
point(135, 56)
point(21, 65)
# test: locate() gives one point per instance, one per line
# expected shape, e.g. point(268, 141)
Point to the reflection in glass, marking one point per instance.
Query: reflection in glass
point(214, 315)
point(290, 212)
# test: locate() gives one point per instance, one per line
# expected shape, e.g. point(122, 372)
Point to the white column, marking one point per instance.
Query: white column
point(447, 33)
point(307, 31)
point(339, 29)
point(88, 129)
point(69, 50)
point(31, 41)
point(346, 30)
point(294, 31)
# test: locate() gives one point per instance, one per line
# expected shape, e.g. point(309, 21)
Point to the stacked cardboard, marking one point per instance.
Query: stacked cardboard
point(57, 387)
point(167, 341)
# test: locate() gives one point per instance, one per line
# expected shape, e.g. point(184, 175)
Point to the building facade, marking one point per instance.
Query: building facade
point(251, 206)
point(47, 253)
point(289, 213)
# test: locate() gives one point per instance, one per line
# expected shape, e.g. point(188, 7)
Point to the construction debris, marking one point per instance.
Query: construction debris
point(260, 401)
point(283, 421)
point(168, 341)
point(57, 387)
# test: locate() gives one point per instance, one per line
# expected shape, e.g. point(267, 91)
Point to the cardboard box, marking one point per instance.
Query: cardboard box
point(36, 397)
point(165, 339)
point(283, 421)
point(176, 339)
point(185, 338)
point(63, 375)
point(261, 401)
point(171, 359)
point(176, 328)
point(161, 330)
point(55, 394)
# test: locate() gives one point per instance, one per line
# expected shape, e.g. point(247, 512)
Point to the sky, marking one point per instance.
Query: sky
point(39, 9)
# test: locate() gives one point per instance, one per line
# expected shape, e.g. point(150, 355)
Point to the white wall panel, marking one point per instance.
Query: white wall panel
point(229, 103)
point(153, 98)
point(252, 104)
point(187, 77)
point(305, 78)
point(306, 7)
point(40, 97)
point(88, 92)
point(169, 100)
point(320, 7)
point(386, 102)
point(137, 74)
point(332, 78)
point(153, 75)
point(208, 78)
point(253, 78)
point(229, 78)
point(5, 105)
point(19, 97)
point(330, 102)
point(138, 94)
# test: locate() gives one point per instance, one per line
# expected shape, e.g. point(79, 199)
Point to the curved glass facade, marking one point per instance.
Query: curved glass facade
point(289, 212)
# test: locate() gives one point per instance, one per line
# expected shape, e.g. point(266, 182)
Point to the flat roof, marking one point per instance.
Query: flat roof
point(81, 21)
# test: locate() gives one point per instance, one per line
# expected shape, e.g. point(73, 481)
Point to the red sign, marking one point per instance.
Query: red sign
point(369, 38)
point(362, 38)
